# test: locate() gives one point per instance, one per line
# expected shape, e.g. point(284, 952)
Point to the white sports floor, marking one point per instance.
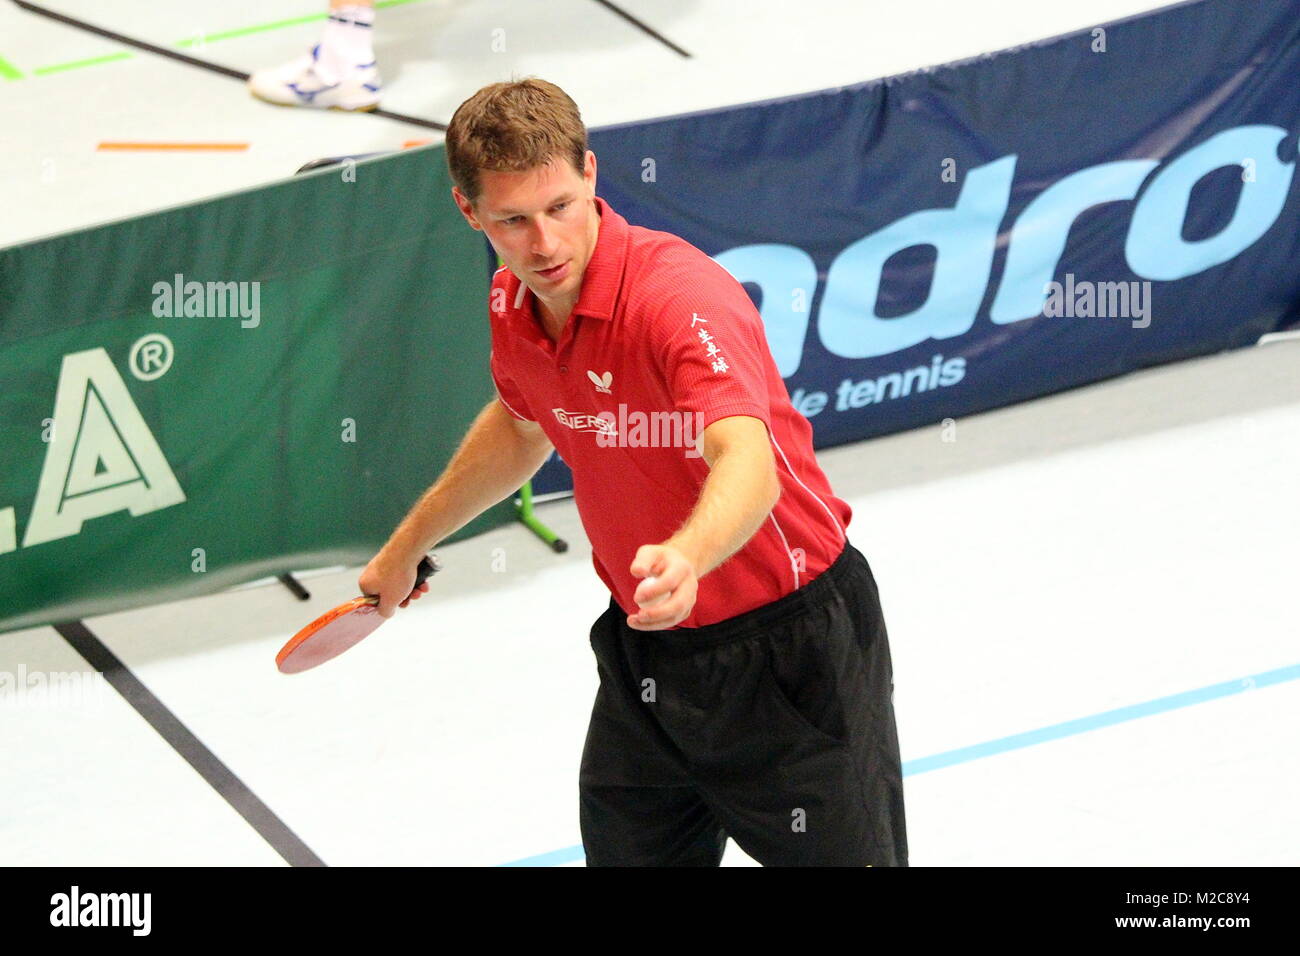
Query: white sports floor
point(1090, 597)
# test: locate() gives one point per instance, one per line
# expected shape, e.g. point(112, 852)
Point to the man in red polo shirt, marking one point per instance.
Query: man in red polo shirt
point(745, 678)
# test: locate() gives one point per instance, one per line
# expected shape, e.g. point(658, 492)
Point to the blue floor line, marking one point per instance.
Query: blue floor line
point(1068, 728)
point(554, 858)
point(1105, 719)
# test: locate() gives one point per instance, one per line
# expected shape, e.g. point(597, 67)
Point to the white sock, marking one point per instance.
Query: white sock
point(346, 42)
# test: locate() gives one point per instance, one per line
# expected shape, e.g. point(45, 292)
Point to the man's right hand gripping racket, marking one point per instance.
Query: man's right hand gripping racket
point(339, 629)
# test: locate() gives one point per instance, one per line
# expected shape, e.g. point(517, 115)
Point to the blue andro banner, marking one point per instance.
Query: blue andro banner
point(967, 236)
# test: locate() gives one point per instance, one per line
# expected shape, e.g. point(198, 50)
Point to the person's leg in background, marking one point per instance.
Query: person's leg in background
point(340, 72)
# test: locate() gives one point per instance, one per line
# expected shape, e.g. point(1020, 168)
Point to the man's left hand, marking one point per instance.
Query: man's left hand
point(669, 599)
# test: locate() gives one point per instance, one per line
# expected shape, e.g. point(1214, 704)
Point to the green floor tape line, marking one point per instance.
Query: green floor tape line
point(77, 64)
point(9, 72)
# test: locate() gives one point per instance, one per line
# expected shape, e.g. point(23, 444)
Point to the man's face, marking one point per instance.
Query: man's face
point(542, 223)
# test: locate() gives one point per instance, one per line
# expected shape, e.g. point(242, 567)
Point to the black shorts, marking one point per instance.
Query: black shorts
point(774, 727)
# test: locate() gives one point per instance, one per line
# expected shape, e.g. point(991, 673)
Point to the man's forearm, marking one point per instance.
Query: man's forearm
point(493, 461)
point(736, 499)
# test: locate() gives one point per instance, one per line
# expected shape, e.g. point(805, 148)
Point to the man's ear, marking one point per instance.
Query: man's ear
point(466, 207)
point(589, 171)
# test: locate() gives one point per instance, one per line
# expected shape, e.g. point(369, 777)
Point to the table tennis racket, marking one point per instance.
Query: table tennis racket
point(340, 628)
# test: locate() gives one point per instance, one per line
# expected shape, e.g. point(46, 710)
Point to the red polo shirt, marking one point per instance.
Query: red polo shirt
point(660, 333)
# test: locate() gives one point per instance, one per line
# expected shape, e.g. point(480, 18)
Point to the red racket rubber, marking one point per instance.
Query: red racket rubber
point(339, 629)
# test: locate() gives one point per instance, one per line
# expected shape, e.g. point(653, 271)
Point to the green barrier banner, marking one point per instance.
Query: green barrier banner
point(246, 386)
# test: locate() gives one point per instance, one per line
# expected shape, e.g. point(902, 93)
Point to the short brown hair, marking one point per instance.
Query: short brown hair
point(511, 127)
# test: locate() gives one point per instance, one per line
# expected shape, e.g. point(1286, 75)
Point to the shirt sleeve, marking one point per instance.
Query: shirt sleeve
point(714, 353)
point(509, 393)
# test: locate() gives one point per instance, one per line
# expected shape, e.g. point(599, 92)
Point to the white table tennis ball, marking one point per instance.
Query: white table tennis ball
point(659, 600)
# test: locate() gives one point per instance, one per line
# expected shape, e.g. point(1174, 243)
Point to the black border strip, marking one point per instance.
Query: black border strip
point(643, 27)
point(220, 777)
point(193, 60)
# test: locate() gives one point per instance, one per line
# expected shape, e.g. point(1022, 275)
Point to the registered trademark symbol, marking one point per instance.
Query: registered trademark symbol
point(151, 357)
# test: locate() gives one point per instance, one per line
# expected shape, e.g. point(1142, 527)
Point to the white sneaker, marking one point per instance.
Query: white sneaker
point(301, 83)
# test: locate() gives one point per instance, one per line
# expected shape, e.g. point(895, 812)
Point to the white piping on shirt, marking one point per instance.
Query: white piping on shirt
point(815, 497)
point(786, 545)
point(511, 407)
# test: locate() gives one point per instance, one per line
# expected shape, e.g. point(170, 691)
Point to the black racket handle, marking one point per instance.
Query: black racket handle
point(428, 566)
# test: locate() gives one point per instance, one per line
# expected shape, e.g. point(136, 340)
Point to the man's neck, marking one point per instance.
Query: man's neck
point(553, 326)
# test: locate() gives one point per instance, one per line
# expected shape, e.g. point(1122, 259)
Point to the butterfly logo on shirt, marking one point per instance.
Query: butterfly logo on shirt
point(602, 382)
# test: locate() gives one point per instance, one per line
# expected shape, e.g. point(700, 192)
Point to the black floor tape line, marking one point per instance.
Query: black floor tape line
point(645, 28)
point(246, 803)
point(193, 60)
point(243, 77)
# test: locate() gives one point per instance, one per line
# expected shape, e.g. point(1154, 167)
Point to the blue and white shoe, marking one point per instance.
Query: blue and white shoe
point(302, 83)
